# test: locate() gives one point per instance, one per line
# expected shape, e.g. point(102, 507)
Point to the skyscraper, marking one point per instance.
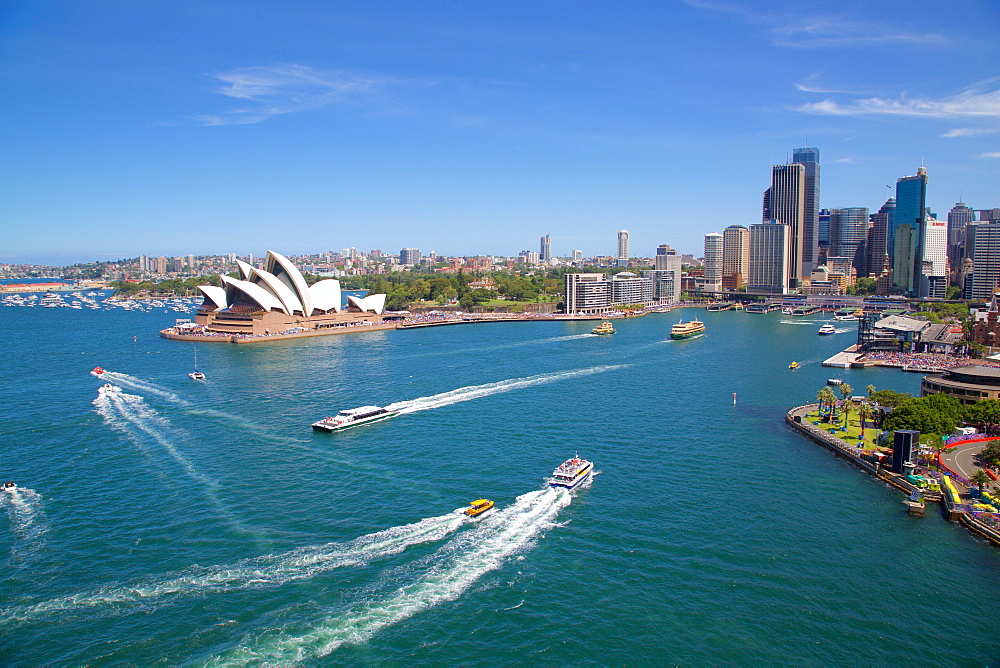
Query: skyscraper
point(623, 250)
point(769, 258)
point(713, 261)
point(983, 243)
point(959, 216)
point(666, 275)
point(878, 246)
point(907, 234)
point(934, 268)
point(736, 253)
point(787, 206)
point(851, 227)
point(545, 252)
point(409, 256)
point(809, 159)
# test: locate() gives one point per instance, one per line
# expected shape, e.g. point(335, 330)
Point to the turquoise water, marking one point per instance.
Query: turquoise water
point(205, 523)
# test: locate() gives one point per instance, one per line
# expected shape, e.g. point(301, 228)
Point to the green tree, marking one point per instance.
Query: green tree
point(921, 415)
point(826, 398)
point(985, 413)
point(991, 453)
point(980, 480)
point(889, 399)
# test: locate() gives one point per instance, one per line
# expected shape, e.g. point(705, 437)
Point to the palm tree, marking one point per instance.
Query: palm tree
point(864, 412)
point(845, 391)
point(980, 480)
point(871, 390)
point(826, 397)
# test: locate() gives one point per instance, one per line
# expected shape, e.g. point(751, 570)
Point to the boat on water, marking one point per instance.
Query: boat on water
point(835, 381)
point(827, 329)
point(96, 371)
point(478, 507)
point(196, 375)
point(10, 487)
point(108, 388)
point(604, 328)
point(353, 417)
point(571, 473)
point(685, 330)
point(793, 365)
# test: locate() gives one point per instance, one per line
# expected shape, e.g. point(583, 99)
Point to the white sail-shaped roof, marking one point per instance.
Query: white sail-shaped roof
point(253, 292)
point(288, 274)
point(370, 303)
point(244, 269)
point(325, 295)
point(284, 294)
point(214, 294)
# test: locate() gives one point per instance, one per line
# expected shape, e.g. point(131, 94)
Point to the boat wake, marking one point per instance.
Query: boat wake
point(269, 571)
point(133, 383)
point(450, 572)
point(811, 323)
point(131, 416)
point(478, 391)
point(27, 521)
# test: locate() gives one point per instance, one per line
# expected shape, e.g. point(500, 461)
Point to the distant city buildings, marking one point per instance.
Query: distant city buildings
point(735, 256)
point(409, 256)
point(623, 249)
point(545, 250)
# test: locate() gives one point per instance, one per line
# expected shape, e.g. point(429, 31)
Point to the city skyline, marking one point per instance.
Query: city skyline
point(159, 129)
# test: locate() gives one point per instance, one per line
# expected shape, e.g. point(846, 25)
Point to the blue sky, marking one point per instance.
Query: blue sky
point(472, 127)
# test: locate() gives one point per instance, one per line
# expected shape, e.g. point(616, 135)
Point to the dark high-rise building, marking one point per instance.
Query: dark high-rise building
point(824, 234)
point(959, 216)
point(851, 234)
point(989, 215)
point(878, 247)
point(809, 158)
point(907, 233)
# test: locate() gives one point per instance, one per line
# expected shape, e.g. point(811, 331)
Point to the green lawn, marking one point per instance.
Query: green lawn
point(853, 433)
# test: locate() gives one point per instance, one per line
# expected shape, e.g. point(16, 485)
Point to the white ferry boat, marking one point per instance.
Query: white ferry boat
point(353, 417)
point(827, 329)
point(571, 473)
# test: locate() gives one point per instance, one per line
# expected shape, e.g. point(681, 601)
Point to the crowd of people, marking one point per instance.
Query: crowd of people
point(936, 361)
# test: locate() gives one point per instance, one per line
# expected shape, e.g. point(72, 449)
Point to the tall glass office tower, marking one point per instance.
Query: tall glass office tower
point(809, 158)
point(907, 235)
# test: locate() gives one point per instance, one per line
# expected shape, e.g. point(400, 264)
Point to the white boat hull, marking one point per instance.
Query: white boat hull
point(323, 425)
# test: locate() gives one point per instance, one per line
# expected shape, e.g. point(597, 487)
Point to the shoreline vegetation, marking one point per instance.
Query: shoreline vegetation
point(859, 429)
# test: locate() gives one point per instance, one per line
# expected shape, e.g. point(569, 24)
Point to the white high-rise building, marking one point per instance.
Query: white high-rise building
point(577, 255)
point(770, 251)
point(623, 250)
point(713, 261)
point(586, 293)
point(736, 253)
point(666, 275)
point(934, 282)
point(545, 249)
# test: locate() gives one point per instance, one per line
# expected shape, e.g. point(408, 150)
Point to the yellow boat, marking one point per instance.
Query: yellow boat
point(793, 365)
point(478, 507)
point(604, 328)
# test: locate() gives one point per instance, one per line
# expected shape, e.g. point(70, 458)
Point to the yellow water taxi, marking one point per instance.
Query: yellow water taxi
point(604, 328)
point(793, 365)
point(478, 507)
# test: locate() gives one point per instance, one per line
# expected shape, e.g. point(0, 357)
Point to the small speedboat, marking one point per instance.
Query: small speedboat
point(478, 507)
point(827, 329)
point(97, 371)
point(10, 487)
point(108, 388)
point(196, 375)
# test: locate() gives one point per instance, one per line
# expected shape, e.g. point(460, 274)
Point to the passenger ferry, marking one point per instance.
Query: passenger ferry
point(604, 328)
point(827, 329)
point(685, 330)
point(353, 417)
point(571, 473)
point(478, 507)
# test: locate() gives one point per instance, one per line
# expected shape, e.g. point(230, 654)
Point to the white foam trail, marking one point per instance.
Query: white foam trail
point(134, 383)
point(268, 571)
point(27, 520)
point(460, 564)
point(477, 391)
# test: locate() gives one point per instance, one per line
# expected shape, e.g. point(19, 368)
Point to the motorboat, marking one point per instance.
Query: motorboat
point(793, 365)
point(108, 388)
point(96, 371)
point(827, 329)
point(571, 473)
point(604, 328)
point(353, 417)
point(835, 381)
point(478, 507)
point(10, 487)
point(687, 330)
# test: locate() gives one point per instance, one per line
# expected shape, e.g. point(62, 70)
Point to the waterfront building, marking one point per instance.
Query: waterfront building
point(908, 232)
point(983, 248)
point(849, 228)
point(770, 250)
point(809, 159)
point(666, 275)
point(735, 254)
point(787, 206)
point(713, 262)
point(545, 249)
point(623, 249)
point(586, 293)
point(276, 299)
point(934, 274)
point(627, 289)
point(968, 384)
point(409, 256)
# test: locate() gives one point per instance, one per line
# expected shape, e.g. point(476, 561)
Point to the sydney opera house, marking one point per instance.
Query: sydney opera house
point(277, 299)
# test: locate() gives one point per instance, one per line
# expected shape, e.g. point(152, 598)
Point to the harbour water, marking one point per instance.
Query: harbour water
point(204, 522)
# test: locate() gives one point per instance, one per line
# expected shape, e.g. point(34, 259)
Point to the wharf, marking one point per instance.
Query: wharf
point(845, 360)
point(797, 418)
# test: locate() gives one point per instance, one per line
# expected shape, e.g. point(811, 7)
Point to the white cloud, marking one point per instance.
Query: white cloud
point(845, 161)
point(984, 104)
point(970, 132)
point(269, 91)
point(990, 155)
